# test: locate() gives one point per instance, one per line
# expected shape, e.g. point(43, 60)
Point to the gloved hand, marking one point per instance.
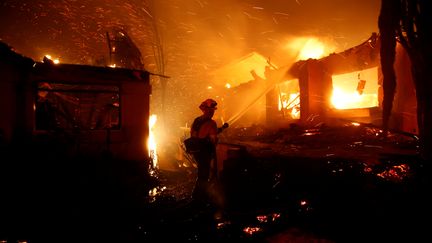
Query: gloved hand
point(220, 129)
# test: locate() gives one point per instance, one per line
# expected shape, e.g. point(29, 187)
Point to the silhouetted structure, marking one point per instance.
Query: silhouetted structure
point(123, 51)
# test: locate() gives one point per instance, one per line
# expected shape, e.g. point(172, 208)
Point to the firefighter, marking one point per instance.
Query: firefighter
point(205, 129)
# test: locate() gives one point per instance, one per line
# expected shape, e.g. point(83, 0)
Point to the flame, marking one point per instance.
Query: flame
point(228, 86)
point(290, 102)
point(151, 142)
point(346, 93)
point(55, 61)
point(313, 48)
point(350, 100)
point(309, 47)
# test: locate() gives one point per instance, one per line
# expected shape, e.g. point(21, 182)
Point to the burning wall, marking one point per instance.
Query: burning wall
point(348, 85)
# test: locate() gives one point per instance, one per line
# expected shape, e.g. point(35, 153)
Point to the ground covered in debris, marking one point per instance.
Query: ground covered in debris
point(344, 183)
point(320, 184)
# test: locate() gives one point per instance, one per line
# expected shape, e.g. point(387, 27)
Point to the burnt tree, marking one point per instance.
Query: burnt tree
point(409, 22)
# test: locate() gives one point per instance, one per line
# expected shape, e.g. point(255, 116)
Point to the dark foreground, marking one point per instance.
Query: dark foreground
point(260, 196)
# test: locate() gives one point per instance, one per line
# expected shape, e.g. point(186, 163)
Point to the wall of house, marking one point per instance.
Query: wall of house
point(18, 95)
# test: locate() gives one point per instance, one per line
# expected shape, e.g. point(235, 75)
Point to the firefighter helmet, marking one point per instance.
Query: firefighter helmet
point(208, 104)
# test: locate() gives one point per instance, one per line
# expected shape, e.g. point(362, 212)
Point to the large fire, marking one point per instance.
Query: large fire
point(289, 94)
point(355, 90)
point(350, 91)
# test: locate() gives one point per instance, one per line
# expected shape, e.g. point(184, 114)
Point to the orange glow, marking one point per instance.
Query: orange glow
point(240, 70)
point(313, 48)
point(55, 60)
point(345, 89)
point(309, 47)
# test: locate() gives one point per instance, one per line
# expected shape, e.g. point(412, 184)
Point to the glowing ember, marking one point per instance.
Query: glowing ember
point(356, 124)
point(251, 230)
point(275, 216)
point(262, 218)
point(367, 169)
point(220, 225)
point(395, 173)
point(155, 192)
point(265, 218)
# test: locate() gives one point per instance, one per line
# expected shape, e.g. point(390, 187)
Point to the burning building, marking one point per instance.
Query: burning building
point(345, 85)
point(342, 89)
point(348, 85)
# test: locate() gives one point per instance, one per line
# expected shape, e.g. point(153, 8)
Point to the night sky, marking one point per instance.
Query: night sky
point(197, 36)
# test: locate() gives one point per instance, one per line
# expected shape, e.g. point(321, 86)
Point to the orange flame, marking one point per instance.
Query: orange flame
point(151, 142)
